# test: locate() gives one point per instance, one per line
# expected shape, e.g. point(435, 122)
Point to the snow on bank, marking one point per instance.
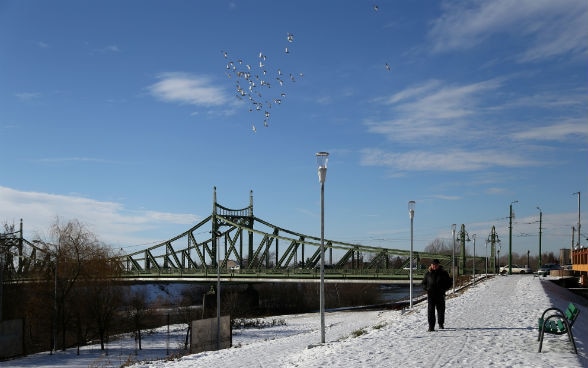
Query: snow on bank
point(493, 323)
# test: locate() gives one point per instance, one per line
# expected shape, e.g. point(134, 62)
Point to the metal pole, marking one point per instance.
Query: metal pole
point(55, 318)
point(453, 256)
point(474, 260)
point(322, 292)
point(540, 231)
point(218, 293)
point(579, 229)
point(322, 159)
point(486, 257)
point(411, 213)
point(510, 239)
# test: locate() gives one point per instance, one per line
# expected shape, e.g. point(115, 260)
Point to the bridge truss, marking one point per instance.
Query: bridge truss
point(235, 242)
point(244, 244)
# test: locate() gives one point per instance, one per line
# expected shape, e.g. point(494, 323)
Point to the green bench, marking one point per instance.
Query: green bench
point(554, 321)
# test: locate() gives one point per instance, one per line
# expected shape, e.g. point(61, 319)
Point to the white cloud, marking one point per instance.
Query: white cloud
point(27, 96)
point(189, 89)
point(452, 160)
point(432, 110)
point(546, 28)
point(110, 221)
point(111, 48)
point(555, 132)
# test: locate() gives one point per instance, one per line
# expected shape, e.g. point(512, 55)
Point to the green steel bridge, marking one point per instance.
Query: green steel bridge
point(235, 245)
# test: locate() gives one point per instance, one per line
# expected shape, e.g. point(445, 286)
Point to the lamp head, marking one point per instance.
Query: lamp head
point(411, 205)
point(321, 159)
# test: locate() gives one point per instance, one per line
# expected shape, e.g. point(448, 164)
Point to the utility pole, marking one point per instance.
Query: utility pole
point(510, 239)
point(540, 232)
point(579, 226)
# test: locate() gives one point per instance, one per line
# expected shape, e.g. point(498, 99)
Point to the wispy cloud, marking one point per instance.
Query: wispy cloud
point(108, 49)
point(446, 197)
point(544, 28)
point(27, 96)
point(72, 159)
point(431, 109)
point(452, 160)
point(184, 88)
point(111, 221)
point(555, 132)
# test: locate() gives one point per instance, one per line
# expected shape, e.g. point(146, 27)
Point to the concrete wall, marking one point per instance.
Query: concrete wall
point(204, 334)
point(11, 338)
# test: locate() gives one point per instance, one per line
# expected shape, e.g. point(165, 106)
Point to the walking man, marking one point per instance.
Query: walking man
point(436, 282)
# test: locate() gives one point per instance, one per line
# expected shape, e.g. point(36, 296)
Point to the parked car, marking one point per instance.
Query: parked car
point(515, 269)
point(546, 269)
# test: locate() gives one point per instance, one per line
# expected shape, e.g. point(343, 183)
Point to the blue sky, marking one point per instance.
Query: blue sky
point(125, 115)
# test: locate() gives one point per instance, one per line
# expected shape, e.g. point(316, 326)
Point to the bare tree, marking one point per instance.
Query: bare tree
point(138, 312)
point(79, 271)
point(103, 296)
point(438, 246)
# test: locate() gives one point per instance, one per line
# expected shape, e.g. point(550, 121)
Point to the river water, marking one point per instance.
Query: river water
point(394, 293)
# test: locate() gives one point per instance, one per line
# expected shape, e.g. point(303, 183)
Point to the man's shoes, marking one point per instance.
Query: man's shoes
point(441, 327)
point(431, 330)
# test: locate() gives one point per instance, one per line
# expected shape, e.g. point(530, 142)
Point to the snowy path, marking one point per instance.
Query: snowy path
point(493, 322)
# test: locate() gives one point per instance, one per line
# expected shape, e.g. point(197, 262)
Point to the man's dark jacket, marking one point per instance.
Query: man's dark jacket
point(437, 281)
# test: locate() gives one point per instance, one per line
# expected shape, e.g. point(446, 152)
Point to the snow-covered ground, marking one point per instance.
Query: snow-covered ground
point(491, 324)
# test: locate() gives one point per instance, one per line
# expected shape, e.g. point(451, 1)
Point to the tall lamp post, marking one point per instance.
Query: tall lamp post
point(474, 261)
point(217, 234)
point(510, 238)
point(411, 214)
point(322, 158)
point(486, 257)
point(540, 231)
point(453, 256)
point(579, 230)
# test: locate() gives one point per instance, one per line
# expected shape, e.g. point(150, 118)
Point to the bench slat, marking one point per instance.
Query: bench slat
point(558, 323)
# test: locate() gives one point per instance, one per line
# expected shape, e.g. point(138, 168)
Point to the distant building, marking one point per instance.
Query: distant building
point(580, 260)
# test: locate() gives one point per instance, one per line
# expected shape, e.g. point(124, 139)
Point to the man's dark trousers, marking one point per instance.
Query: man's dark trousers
point(436, 301)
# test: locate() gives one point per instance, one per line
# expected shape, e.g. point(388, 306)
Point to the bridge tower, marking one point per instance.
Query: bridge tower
point(242, 216)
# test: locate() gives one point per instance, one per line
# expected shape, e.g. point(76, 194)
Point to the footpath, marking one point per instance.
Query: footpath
point(493, 323)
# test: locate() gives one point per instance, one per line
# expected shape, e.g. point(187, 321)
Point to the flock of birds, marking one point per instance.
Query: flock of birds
point(254, 82)
point(261, 86)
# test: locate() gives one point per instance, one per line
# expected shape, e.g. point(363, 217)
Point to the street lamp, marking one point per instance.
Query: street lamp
point(486, 257)
point(453, 256)
point(474, 261)
point(540, 231)
point(579, 225)
point(411, 214)
point(510, 238)
point(322, 158)
point(499, 249)
point(217, 234)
